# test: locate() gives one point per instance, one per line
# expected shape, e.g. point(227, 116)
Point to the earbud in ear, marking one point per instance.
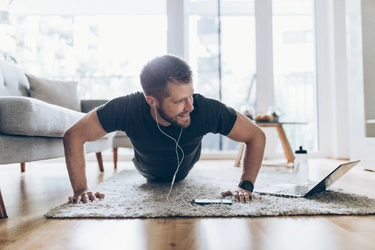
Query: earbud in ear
point(153, 103)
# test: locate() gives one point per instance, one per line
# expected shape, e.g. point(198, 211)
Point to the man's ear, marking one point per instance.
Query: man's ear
point(151, 100)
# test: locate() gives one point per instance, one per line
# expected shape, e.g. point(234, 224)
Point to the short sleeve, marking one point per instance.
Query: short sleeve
point(219, 118)
point(112, 114)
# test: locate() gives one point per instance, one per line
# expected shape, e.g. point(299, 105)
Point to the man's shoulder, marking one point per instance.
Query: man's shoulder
point(200, 99)
point(209, 105)
point(135, 97)
point(123, 103)
point(117, 113)
point(207, 102)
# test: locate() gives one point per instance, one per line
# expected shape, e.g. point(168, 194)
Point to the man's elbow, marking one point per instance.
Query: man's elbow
point(262, 135)
point(66, 137)
point(259, 138)
point(70, 136)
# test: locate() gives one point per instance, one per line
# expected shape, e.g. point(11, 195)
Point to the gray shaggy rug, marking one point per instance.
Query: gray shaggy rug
point(129, 195)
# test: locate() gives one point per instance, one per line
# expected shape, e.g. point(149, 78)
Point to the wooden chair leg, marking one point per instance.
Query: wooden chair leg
point(23, 167)
point(115, 157)
point(100, 161)
point(3, 212)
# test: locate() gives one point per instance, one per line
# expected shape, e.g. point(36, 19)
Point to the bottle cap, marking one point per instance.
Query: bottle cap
point(301, 151)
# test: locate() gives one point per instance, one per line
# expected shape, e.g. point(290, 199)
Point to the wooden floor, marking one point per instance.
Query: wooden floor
point(28, 196)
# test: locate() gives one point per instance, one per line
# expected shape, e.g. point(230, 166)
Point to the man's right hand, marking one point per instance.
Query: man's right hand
point(86, 197)
point(85, 130)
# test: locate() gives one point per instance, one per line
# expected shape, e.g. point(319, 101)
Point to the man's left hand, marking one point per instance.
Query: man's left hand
point(240, 195)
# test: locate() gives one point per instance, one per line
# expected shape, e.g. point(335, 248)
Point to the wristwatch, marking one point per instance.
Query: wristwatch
point(247, 185)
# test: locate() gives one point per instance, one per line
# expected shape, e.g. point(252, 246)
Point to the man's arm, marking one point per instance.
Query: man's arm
point(244, 130)
point(85, 130)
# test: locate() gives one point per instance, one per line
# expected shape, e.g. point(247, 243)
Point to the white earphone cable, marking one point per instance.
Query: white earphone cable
point(176, 150)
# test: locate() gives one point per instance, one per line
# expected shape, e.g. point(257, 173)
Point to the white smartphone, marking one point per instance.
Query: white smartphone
point(208, 202)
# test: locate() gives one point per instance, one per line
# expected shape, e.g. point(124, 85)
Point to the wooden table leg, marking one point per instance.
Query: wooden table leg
point(288, 152)
point(237, 163)
point(285, 143)
point(3, 212)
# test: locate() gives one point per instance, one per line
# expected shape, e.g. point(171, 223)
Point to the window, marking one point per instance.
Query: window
point(222, 53)
point(221, 41)
point(294, 64)
point(222, 48)
point(104, 53)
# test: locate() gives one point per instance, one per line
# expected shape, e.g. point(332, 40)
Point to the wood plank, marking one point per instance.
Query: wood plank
point(45, 185)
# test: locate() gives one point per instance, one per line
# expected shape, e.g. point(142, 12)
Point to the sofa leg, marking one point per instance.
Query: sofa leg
point(3, 212)
point(115, 157)
point(23, 167)
point(100, 161)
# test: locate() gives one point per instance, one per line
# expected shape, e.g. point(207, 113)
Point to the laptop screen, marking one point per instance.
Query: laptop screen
point(334, 176)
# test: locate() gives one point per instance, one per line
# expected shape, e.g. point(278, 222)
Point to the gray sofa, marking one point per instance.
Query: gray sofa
point(35, 113)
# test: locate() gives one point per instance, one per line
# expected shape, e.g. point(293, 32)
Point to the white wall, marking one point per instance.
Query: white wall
point(332, 79)
point(176, 29)
point(340, 105)
point(361, 147)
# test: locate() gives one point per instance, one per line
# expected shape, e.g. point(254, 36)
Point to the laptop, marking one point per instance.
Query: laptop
point(299, 191)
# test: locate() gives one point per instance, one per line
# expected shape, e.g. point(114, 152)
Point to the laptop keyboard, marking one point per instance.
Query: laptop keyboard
point(299, 190)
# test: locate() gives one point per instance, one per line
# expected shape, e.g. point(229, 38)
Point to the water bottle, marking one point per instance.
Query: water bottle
point(301, 167)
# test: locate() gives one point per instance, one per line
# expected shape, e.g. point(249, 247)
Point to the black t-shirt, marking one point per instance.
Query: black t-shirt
point(154, 153)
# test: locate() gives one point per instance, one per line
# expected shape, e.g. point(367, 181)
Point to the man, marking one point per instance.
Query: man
point(166, 124)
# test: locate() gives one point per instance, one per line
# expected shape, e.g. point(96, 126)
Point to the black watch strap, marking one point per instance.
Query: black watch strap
point(247, 185)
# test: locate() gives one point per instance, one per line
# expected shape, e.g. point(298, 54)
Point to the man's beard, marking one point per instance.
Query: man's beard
point(174, 120)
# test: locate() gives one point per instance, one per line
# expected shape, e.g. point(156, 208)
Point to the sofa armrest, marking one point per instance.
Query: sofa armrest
point(88, 105)
point(27, 116)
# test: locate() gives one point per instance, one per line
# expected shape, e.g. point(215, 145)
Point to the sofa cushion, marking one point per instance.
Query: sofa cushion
point(13, 81)
point(31, 117)
point(63, 94)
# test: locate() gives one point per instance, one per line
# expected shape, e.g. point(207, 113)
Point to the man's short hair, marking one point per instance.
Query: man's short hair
point(158, 72)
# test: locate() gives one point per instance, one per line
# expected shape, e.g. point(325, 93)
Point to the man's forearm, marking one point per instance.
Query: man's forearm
point(76, 165)
point(254, 152)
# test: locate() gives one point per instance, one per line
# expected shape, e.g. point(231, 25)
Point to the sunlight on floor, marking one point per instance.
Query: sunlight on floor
point(107, 234)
